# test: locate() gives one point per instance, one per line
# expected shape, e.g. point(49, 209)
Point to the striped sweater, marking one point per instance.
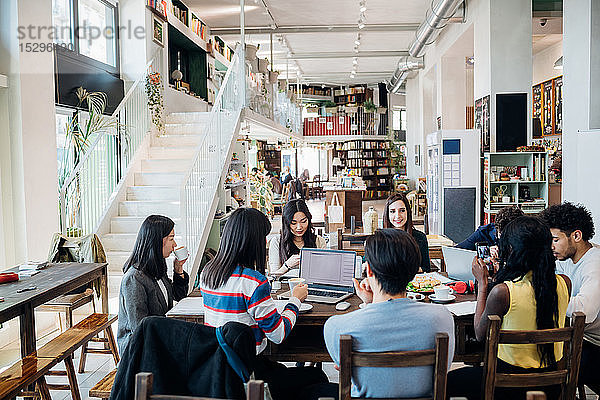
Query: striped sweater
point(246, 298)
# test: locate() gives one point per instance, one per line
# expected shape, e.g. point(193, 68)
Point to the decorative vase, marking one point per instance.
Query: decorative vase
point(370, 221)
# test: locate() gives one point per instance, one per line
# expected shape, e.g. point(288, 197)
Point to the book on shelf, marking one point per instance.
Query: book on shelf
point(159, 5)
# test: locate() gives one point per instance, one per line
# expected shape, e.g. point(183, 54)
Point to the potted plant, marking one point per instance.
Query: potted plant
point(351, 109)
point(369, 106)
point(262, 65)
point(330, 107)
point(251, 52)
point(273, 75)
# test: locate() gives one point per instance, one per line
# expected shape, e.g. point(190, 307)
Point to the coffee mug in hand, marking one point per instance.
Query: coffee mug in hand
point(181, 253)
point(442, 292)
point(293, 282)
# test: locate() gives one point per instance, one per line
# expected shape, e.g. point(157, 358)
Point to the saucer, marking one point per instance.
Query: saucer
point(305, 307)
point(434, 299)
point(362, 305)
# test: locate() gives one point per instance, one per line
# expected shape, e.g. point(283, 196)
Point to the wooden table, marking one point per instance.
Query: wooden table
point(307, 344)
point(51, 282)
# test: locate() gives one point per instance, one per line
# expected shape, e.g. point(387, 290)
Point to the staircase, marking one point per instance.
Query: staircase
point(157, 187)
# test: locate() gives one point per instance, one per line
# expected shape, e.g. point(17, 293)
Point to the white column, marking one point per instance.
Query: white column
point(452, 92)
point(502, 51)
point(28, 147)
point(581, 107)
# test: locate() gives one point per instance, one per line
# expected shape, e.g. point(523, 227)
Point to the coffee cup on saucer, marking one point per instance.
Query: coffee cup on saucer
point(442, 292)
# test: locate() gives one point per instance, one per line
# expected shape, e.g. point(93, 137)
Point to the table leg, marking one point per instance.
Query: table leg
point(104, 289)
point(27, 331)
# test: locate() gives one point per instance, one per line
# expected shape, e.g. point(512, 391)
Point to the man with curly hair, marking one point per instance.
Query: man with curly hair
point(572, 228)
point(491, 232)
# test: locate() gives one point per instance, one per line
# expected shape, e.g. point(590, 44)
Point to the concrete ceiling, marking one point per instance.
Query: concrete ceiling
point(315, 38)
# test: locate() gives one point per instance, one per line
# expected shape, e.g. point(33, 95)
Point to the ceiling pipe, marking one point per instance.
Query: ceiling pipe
point(438, 16)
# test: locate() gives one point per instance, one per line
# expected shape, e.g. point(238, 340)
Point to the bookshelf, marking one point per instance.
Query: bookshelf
point(369, 159)
point(547, 106)
point(269, 157)
point(352, 95)
point(515, 178)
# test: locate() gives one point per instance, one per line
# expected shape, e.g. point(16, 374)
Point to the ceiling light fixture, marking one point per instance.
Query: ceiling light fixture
point(361, 25)
point(357, 42)
point(558, 64)
point(363, 8)
point(355, 61)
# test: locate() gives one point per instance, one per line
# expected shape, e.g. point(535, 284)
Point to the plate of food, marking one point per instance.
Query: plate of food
point(423, 284)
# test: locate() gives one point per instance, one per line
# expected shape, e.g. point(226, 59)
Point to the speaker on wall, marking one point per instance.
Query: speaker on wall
point(511, 121)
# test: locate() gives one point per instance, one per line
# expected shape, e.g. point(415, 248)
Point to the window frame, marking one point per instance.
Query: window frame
point(76, 53)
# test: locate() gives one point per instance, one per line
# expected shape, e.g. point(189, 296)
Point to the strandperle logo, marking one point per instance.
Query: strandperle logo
point(82, 32)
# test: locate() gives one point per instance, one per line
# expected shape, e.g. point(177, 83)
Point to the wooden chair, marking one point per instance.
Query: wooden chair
point(566, 372)
point(143, 390)
point(435, 253)
point(437, 357)
point(317, 188)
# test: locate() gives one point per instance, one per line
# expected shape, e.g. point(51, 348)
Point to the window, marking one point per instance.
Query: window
point(89, 28)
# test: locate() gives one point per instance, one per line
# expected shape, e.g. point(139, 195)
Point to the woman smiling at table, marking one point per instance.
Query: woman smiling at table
point(296, 232)
point(397, 214)
point(528, 295)
point(234, 288)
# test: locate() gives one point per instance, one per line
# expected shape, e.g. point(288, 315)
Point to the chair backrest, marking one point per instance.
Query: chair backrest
point(567, 369)
point(437, 357)
point(143, 390)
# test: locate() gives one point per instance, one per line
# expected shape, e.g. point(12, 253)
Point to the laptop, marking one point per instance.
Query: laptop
point(458, 262)
point(328, 274)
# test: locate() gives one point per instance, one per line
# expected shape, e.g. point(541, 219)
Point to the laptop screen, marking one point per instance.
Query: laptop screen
point(327, 267)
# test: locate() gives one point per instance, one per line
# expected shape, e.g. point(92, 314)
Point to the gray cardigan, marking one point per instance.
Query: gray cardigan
point(140, 296)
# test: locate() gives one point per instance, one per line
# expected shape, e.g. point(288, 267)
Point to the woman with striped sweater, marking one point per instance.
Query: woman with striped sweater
point(235, 288)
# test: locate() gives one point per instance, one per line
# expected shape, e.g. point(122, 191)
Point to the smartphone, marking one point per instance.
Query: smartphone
point(483, 252)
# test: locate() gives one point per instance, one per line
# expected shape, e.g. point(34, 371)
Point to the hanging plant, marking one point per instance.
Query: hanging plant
point(154, 91)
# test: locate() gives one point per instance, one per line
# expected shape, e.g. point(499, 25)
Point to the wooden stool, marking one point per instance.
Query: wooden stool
point(69, 302)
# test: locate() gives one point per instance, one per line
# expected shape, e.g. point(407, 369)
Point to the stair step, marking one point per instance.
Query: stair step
point(174, 179)
point(177, 140)
point(194, 128)
point(166, 165)
point(144, 208)
point(174, 152)
point(131, 224)
point(116, 260)
point(188, 117)
point(123, 241)
point(170, 193)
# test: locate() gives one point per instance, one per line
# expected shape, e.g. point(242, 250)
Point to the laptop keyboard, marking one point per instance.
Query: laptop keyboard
point(326, 293)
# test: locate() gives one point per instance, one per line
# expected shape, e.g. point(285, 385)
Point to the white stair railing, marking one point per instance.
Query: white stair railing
point(199, 192)
point(86, 191)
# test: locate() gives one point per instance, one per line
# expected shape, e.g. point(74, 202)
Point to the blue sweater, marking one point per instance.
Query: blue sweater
point(485, 233)
point(395, 325)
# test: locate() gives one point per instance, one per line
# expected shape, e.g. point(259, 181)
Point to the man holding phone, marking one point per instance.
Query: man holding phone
point(491, 232)
point(572, 228)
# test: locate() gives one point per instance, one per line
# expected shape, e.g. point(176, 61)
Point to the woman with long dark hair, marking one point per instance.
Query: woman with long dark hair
point(397, 214)
point(528, 295)
point(235, 288)
point(296, 232)
point(145, 288)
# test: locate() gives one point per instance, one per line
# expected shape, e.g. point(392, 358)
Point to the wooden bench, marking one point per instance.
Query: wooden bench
point(34, 367)
point(102, 389)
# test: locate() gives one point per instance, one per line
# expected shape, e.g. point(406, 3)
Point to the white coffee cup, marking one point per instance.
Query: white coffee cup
point(293, 282)
point(442, 292)
point(181, 253)
point(276, 285)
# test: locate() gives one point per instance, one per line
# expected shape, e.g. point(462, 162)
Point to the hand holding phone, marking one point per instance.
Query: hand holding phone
point(484, 253)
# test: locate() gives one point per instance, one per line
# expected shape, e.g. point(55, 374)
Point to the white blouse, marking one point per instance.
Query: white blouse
point(274, 262)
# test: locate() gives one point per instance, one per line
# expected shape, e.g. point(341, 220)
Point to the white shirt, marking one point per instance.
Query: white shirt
point(274, 262)
point(585, 290)
point(163, 289)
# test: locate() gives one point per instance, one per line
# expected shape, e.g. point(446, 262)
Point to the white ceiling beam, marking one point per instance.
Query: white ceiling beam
point(316, 29)
point(347, 54)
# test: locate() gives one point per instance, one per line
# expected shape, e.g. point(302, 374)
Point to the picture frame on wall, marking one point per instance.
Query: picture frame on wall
point(158, 32)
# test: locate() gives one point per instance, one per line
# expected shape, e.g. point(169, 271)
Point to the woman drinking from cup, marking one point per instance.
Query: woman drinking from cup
point(296, 232)
point(528, 295)
point(235, 288)
point(145, 288)
point(397, 214)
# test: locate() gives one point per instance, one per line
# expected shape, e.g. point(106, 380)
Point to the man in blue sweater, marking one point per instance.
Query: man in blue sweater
point(491, 232)
point(390, 321)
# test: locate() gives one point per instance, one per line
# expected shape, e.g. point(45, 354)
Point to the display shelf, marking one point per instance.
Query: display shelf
point(237, 162)
point(157, 12)
point(186, 30)
point(235, 184)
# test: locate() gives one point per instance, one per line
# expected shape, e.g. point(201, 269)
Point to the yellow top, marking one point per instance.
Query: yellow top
point(521, 316)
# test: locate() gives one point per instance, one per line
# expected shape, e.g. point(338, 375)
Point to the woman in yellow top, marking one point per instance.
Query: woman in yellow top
point(528, 295)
